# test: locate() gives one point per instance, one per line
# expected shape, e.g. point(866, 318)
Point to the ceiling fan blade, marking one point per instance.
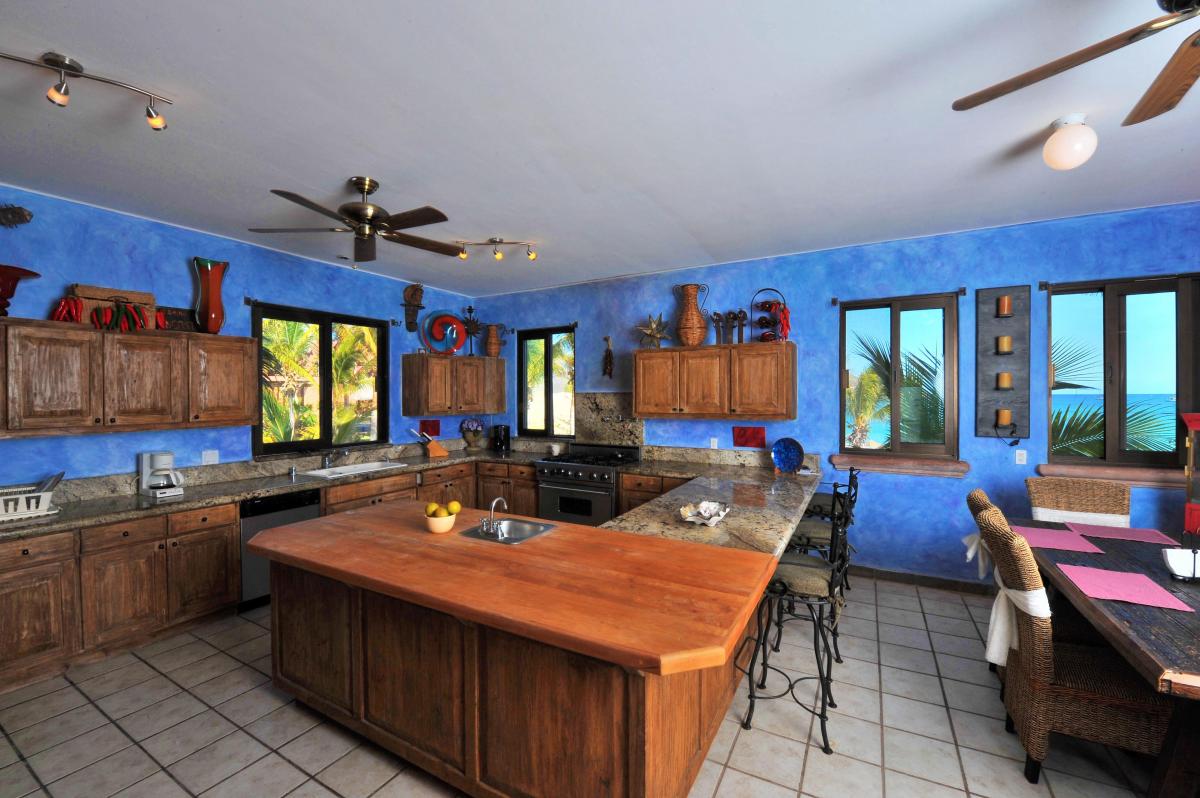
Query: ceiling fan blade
point(299, 229)
point(417, 217)
point(1073, 60)
point(364, 249)
point(1172, 83)
point(422, 243)
point(307, 203)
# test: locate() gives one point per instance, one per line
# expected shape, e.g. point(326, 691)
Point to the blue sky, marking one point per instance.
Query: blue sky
point(1150, 337)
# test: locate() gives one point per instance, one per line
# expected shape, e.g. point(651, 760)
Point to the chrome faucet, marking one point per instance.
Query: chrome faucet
point(489, 525)
point(328, 457)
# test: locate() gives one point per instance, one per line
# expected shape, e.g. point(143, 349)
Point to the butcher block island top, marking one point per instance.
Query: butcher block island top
point(645, 602)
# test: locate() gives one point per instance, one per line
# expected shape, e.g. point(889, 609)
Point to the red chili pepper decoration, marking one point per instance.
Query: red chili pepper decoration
point(160, 320)
point(785, 322)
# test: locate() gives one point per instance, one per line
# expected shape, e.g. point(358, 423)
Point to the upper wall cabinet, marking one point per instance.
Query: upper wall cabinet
point(438, 385)
point(750, 381)
point(67, 379)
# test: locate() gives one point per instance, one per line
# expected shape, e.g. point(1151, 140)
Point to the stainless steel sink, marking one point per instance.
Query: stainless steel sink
point(510, 531)
point(351, 470)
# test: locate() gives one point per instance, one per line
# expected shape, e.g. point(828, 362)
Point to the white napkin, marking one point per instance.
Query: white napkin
point(1002, 629)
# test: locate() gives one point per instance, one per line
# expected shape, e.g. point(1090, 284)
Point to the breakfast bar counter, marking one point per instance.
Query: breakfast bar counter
point(584, 662)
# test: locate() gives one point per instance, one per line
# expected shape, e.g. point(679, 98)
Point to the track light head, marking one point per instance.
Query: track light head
point(462, 254)
point(59, 93)
point(529, 253)
point(154, 119)
point(497, 254)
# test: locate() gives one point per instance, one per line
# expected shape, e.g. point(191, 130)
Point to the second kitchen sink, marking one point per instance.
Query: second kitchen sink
point(510, 531)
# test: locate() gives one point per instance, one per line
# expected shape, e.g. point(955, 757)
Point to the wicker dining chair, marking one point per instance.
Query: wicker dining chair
point(1056, 687)
point(978, 501)
point(1089, 501)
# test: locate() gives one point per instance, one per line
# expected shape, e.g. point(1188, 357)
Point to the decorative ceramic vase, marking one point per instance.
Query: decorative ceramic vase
point(9, 277)
point(474, 439)
point(491, 344)
point(210, 310)
point(691, 327)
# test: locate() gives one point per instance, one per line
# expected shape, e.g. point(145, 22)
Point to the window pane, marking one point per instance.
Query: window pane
point(1077, 374)
point(1150, 368)
point(353, 369)
point(922, 376)
point(534, 383)
point(868, 360)
point(563, 375)
point(291, 386)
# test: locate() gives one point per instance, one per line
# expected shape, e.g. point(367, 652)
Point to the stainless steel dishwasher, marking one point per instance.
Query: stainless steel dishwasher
point(267, 513)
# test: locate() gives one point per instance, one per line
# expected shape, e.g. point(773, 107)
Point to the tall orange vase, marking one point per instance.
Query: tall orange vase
point(691, 325)
point(210, 309)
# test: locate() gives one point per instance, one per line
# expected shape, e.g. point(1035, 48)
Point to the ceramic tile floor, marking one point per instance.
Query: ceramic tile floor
point(918, 714)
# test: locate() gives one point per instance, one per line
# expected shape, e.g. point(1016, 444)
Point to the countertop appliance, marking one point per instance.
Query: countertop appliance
point(266, 513)
point(581, 486)
point(157, 477)
point(501, 438)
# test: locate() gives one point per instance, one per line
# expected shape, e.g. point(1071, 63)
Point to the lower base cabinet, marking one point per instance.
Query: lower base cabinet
point(202, 572)
point(123, 591)
point(340, 498)
point(39, 607)
point(637, 489)
point(516, 484)
point(492, 713)
point(454, 483)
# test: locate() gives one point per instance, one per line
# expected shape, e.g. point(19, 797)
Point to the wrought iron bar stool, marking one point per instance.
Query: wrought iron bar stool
point(805, 587)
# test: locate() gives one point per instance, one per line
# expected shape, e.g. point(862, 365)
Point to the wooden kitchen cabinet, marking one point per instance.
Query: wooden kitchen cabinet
point(202, 572)
point(439, 385)
point(222, 376)
point(340, 498)
point(123, 591)
point(39, 601)
point(516, 484)
point(637, 489)
point(55, 378)
point(144, 379)
point(751, 381)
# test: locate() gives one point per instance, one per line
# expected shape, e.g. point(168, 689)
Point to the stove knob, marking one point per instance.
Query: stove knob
point(594, 475)
point(606, 477)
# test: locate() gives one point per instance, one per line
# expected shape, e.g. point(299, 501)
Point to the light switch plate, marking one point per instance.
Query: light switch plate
point(210, 457)
point(712, 443)
point(1020, 456)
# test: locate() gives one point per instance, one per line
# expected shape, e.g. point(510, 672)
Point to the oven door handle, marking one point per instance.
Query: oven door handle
point(576, 490)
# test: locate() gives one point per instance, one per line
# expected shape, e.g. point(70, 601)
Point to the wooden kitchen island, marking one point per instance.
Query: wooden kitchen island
point(584, 662)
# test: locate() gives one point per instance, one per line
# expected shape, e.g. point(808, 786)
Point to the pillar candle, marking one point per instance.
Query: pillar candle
point(1004, 417)
point(1004, 345)
point(1004, 305)
point(1004, 381)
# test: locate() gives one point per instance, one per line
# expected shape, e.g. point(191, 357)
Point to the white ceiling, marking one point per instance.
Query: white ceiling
point(624, 136)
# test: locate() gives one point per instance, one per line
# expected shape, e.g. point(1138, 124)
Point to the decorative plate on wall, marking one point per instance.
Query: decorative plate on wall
point(443, 333)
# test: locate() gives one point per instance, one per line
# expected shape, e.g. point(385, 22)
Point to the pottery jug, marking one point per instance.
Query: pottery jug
point(210, 310)
point(491, 344)
point(692, 327)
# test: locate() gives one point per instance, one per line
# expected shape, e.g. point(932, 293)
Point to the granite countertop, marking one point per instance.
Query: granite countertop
point(765, 508)
point(123, 507)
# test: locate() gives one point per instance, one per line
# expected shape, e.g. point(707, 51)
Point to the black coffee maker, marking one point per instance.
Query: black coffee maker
point(501, 439)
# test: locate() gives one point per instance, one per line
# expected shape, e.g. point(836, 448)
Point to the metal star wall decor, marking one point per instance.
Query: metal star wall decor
point(654, 331)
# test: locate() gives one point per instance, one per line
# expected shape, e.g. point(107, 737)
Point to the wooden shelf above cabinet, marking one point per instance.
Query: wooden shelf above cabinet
point(442, 385)
point(754, 381)
point(67, 379)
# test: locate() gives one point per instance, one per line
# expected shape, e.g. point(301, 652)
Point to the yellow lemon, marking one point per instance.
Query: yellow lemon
point(454, 508)
point(440, 513)
point(431, 508)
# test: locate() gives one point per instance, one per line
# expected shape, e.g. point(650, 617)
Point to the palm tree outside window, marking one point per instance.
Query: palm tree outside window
point(546, 381)
point(322, 380)
point(899, 361)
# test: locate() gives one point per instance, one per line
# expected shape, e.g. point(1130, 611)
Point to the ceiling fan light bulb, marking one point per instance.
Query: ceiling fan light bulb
point(154, 119)
point(1070, 145)
point(59, 93)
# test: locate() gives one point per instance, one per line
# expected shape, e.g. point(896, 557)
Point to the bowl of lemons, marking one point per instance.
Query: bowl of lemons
point(439, 518)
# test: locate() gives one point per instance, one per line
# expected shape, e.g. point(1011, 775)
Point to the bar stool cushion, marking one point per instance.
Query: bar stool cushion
point(809, 578)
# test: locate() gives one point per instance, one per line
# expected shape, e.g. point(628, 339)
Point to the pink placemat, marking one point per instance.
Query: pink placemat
point(1056, 539)
point(1098, 583)
point(1121, 533)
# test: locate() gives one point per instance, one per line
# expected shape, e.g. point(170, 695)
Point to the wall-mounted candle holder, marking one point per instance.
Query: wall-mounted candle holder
point(1004, 381)
point(1004, 345)
point(1004, 306)
point(1004, 417)
point(1002, 362)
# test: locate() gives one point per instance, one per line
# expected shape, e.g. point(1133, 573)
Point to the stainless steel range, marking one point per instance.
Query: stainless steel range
point(581, 486)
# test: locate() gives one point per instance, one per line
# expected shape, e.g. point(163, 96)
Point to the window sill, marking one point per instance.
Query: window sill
point(1139, 476)
point(898, 464)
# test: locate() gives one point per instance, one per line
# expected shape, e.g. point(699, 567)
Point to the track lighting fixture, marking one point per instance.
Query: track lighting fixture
point(60, 92)
point(497, 245)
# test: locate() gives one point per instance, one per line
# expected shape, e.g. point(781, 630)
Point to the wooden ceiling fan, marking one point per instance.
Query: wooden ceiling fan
point(367, 220)
point(1164, 93)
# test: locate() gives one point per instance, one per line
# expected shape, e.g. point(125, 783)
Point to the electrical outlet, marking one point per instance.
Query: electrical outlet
point(210, 457)
point(1020, 457)
point(712, 443)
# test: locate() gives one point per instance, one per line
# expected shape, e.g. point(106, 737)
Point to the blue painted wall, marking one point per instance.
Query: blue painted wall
point(905, 523)
point(68, 242)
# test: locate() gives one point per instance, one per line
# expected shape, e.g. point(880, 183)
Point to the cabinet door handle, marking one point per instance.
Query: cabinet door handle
point(196, 417)
point(112, 420)
point(204, 519)
point(733, 410)
point(174, 544)
point(161, 546)
point(125, 533)
point(24, 552)
point(99, 420)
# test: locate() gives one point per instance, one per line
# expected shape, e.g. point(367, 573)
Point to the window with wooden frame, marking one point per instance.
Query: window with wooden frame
point(323, 380)
point(1122, 368)
point(899, 385)
point(546, 379)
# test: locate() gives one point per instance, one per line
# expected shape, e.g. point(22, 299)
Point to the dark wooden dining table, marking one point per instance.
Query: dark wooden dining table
point(1162, 645)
